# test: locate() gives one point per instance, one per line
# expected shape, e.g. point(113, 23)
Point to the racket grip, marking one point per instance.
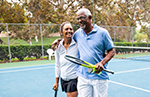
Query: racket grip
point(109, 71)
point(90, 70)
point(55, 92)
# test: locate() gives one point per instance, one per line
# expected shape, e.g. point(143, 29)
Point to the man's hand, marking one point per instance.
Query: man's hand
point(107, 57)
point(99, 67)
point(55, 44)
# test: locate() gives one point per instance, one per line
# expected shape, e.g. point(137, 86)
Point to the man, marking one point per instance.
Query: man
point(92, 42)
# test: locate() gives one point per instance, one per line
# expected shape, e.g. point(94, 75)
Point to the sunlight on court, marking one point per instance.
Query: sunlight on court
point(131, 79)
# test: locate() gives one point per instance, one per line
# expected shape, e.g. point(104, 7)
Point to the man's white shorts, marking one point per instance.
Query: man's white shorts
point(92, 87)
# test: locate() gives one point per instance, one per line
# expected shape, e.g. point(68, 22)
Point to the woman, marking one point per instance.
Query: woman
point(63, 68)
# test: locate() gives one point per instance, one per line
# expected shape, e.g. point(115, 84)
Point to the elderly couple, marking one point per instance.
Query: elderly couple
point(88, 43)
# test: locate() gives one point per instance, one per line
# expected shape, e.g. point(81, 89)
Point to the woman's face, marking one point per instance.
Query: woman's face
point(67, 31)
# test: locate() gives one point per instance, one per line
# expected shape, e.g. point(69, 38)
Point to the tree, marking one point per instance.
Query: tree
point(107, 13)
point(121, 13)
point(140, 37)
point(47, 11)
point(12, 13)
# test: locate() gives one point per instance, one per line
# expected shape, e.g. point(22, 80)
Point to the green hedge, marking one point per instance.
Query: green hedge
point(128, 50)
point(22, 51)
point(136, 44)
point(4, 53)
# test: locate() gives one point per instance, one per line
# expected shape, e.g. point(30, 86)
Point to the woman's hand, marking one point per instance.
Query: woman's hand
point(55, 86)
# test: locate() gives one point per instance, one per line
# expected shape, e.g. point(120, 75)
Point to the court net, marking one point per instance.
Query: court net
point(132, 53)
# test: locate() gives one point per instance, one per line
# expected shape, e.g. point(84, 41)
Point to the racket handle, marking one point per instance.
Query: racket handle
point(90, 70)
point(109, 71)
point(55, 92)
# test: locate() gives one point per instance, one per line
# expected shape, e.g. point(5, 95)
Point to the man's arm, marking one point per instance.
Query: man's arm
point(109, 55)
point(55, 44)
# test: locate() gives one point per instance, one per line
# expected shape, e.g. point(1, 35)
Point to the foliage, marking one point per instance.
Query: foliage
point(4, 53)
point(31, 52)
point(140, 37)
point(12, 13)
point(14, 59)
point(107, 12)
point(128, 50)
point(31, 58)
point(45, 57)
point(22, 51)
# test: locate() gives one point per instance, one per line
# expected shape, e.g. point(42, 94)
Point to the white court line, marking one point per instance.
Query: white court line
point(129, 86)
point(8, 71)
point(132, 70)
point(119, 60)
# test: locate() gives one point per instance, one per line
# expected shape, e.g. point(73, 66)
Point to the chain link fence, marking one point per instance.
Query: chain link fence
point(45, 34)
point(128, 34)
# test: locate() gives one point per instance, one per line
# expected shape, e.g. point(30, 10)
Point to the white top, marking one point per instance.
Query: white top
point(64, 68)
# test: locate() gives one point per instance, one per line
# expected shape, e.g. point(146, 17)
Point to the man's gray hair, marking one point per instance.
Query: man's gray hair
point(85, 10)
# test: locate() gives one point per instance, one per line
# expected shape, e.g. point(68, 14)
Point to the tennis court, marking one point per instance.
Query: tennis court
point(36, 78)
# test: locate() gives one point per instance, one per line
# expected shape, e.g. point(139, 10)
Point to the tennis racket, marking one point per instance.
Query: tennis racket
point(85, 64)
point(55, 92)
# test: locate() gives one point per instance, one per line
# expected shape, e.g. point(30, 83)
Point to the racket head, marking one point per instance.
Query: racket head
point(91, 67)
point(74, 60)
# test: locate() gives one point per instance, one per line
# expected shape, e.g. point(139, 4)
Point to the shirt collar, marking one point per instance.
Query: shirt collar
point(94, 30)
point(72, 42)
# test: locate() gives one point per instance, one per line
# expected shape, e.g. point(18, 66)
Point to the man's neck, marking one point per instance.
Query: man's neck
point(88, 29)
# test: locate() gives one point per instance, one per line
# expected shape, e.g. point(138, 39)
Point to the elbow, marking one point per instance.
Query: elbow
point(113, 52)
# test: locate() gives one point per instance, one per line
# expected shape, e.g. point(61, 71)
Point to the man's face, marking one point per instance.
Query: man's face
point(82, 20)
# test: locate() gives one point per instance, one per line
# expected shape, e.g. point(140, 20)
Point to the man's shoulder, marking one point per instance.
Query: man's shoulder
point(78, 30)
point(100, 28)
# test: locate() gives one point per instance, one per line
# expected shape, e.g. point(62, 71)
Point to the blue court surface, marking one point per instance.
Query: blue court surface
point(131, 79)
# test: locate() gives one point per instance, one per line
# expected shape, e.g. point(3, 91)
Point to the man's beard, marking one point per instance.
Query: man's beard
point(83, 27)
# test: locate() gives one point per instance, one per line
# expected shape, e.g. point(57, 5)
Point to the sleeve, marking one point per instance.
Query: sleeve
point(74, 36)
point(57, 64)
point(108, 41)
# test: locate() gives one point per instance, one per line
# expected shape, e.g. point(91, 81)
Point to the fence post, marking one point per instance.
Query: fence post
point(147, 36)
point(132, 37)
point(42, 41)
point(93, 14)
point(8, 42)
point(114, 35)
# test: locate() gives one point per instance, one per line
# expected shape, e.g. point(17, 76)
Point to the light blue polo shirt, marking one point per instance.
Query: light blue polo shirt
point(91, 49)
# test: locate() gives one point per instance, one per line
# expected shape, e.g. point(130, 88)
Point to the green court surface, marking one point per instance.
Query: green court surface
point(131, 55)
point(26, 63)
